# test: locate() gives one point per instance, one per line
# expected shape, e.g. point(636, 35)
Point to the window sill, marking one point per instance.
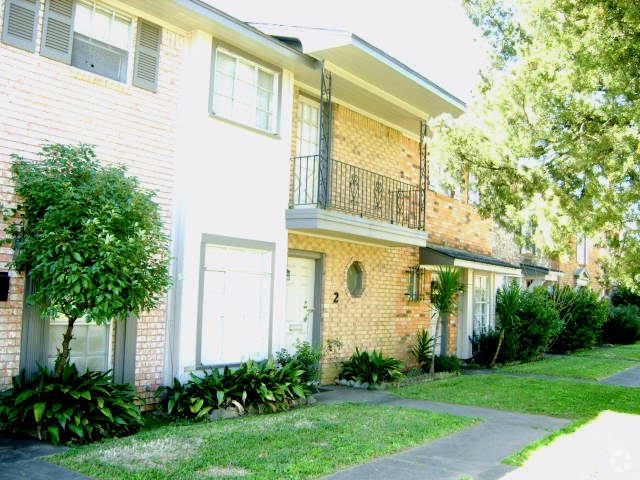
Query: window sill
point(236, 123)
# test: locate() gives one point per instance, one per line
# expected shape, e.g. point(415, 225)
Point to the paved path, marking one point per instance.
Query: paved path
point(20, 459)
point(626, 378)
point(476, 452)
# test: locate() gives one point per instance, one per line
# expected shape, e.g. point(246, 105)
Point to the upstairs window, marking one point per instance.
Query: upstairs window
point(473, 194)
point(101, 41)
point(528, 242)
point(441, 181)
point(244, 91)
point(582, 251)
point(98, 39)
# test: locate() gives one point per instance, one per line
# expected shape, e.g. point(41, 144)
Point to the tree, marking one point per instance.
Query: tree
point(552, 132)
point(89, 237)
point(444, 294)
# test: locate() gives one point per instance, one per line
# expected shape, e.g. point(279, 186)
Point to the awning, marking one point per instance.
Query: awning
point(529, 270)
point(437, 255)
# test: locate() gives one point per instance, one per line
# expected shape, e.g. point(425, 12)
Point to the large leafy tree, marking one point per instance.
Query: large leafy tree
point(553, 131)
point(89, 237)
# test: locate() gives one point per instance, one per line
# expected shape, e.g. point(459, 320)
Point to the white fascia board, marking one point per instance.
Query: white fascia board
point(486, 267)
point(407, 72)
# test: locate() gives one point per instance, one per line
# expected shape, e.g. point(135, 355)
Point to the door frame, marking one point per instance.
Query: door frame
point(318, 290)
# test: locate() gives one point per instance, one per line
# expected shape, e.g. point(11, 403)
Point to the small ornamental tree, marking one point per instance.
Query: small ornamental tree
point(90, 238)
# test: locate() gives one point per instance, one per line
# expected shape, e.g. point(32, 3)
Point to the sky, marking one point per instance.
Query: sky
point(434, 37)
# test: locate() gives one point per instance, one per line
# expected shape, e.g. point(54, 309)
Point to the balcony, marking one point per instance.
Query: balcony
point(348, 202)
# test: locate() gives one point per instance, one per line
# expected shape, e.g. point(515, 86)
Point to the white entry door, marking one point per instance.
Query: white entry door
point(306, 165)
point(301, 279)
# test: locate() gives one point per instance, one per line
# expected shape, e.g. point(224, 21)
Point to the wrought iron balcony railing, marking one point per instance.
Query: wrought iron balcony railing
point(355, 191)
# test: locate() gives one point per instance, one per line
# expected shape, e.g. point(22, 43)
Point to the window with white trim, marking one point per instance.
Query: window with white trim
point(582, 253)
point(473, 193)
point(235, 312)
point(481, 309)
point(441, 181)
point(244, 91)
point(90, 345)
point(101, 40)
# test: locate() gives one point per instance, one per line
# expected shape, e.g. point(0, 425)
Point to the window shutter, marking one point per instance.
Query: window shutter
point(147, 60)
point(57, 30)
point(20, 21)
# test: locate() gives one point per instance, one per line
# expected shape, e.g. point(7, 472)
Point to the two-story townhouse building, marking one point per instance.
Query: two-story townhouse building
point(198, 106)
point(293, 176)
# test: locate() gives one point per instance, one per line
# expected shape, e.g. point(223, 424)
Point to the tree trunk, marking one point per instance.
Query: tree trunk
point(495, 355)
point(432, 367)
point(63, 356)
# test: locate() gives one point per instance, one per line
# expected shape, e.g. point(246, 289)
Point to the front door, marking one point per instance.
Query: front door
point(301, 282)
point(305, 191)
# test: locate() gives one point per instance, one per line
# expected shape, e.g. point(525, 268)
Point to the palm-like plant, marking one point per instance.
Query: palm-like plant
point(507, 305)
point(444, 294)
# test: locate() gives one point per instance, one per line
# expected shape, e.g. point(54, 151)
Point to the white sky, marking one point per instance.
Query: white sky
point(434, 37)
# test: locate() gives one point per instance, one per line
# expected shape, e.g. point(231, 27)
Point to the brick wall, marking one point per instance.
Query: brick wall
point(382, 318)
point(569, 265)
point(44, 101)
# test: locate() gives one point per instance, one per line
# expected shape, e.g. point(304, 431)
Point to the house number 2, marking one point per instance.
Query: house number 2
point(336, 295)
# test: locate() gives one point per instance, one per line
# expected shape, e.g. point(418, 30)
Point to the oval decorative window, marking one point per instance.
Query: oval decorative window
point(354, 279)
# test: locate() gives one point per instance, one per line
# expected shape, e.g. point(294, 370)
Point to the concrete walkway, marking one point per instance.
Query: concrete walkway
point(626, 378)
point(20, 459)
point(475, 452)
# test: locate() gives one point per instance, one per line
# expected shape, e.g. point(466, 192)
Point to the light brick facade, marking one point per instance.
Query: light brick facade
point(44, 101)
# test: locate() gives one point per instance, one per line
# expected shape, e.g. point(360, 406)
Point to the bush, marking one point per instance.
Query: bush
point(484, 345)
point(583, 314)
point(371, 368)
point(537, 327)
point(253, 384)
point(422, 348)
point(306, 358)
point(447, 363)
point(624, 296)
point(623, 325)
point(70, 408)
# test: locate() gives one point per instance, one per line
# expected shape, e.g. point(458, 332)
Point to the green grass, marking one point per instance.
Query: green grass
point(587, 367)
point(303, 443)
point(560, 398)
point(621, 352)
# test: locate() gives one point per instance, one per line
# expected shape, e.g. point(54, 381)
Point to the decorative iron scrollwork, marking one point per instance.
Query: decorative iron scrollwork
point(378, 190)
point(354, 188)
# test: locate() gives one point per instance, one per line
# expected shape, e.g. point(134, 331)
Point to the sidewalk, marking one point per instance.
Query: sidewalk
point(475, 452)
point(20, 459)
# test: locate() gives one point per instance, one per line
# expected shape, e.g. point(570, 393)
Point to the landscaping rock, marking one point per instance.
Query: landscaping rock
point(224, 414)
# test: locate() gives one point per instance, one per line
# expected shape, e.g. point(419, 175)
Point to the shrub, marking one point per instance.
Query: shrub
point(422, 348)
point(484, 345)
point(624, 296)
point(583, 314)
point(371, 368)
point(447, 363)
point(69, 408)
point(253, 384)
point(306, 358)
point(537, 326)
point(623, 325)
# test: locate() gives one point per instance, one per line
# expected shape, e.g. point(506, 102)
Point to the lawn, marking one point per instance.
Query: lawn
point(593, 364)
point(303, 443)
point(587, 367)
point(561, 398)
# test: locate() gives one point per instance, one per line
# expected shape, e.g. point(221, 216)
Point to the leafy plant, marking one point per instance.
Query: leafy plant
point(583, 314)
point(253, 384)
point(422, 348)
point(91, 239)
point(507, 304)
point(443, 296)
point(306, 358)
point(623, 325)
point(372, 368)
point(70, 407)
point(447, 363)
point(484, 345)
